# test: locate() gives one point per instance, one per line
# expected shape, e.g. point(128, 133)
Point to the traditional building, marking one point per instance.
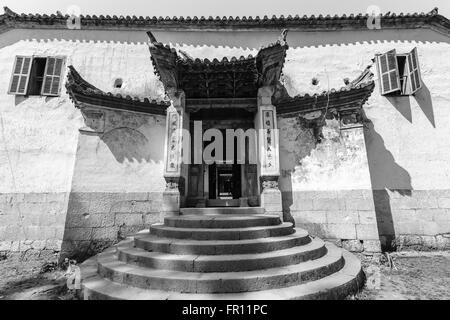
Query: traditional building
point(350, 125)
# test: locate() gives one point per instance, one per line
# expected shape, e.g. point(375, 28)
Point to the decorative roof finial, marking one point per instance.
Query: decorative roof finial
point(186, 55)
point(435, 11)
point(283, 36)
point(151, 37)
point(9, 12)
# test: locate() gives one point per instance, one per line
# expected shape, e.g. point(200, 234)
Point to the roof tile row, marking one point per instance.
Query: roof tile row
point(321, 22)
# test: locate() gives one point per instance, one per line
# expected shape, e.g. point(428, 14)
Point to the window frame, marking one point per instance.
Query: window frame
point(20, 75)
point(406, 89)
point(61, 76)
point(412, 70)
point(388, 72)
point(32, 57)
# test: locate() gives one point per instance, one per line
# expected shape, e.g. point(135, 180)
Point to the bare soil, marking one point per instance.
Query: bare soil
point(413, 276)
point(416, 275)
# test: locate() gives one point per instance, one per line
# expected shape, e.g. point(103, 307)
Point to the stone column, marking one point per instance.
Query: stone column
point(268, 152)
point(173, 154)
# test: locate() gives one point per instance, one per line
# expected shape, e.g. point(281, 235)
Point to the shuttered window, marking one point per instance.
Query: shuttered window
point(388, 72)
point(52, 76)
point(414, 71)
point(399, 73)
point(37, 76)
point(20, 76)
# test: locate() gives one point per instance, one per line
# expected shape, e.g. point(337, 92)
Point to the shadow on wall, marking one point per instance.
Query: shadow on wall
point(97, 220)
point(131, 145)
point(304, 144)
point(424, 100)
point(402, 104)
point(385, 174)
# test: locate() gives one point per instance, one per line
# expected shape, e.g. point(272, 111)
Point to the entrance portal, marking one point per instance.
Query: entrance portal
point(224, 183)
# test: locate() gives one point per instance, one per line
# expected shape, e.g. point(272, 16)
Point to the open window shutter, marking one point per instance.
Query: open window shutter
point(414, 71)
point(20, 75)
point(388, 72)
point(52, 76)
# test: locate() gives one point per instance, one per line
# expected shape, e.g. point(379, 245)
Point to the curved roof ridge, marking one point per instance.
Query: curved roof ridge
point(431, 19)
point(81, 91)
point(351, 96)
point(179, 70)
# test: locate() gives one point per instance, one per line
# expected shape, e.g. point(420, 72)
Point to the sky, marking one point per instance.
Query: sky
point(224, 7)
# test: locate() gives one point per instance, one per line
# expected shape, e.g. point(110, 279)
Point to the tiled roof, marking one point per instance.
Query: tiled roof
point(433, 20)
point(217, 79)
point(350, 97)
point(81, 91)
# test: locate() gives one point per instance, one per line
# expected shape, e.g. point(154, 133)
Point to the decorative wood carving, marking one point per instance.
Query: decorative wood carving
point(269, 182)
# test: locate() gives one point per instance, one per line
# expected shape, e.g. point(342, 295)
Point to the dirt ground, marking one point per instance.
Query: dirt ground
point(411, 276)
point(414, 275)
point(24, 280)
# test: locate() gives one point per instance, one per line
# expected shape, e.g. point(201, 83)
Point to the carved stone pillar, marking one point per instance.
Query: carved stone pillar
point(173, 154)
point(268, 152)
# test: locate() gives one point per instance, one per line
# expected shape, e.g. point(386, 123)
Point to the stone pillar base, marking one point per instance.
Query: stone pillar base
point(171, 203)
point(271, 201)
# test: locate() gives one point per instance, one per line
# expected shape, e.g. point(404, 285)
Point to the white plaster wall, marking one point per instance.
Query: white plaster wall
point(411, 128)
point(38, 134)
point(40, 140)
point(407, 148)
point(127, 157)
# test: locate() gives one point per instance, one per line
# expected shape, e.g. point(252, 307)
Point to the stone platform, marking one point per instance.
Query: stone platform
point(211, 254)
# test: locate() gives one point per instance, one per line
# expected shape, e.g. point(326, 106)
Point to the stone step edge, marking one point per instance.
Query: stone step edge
point(215, 247)
point(221, 221)
point(336, 286)
point(228, 210)
point(259, 232)
point(215, 282)
point(199, 263)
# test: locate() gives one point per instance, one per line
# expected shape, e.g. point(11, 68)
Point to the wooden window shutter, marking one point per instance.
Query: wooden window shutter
point(20, 75)
point(388, 72)
point(414, 71)
point(53, 76)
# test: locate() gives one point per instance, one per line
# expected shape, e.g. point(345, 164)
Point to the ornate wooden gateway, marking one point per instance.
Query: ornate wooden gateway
point(244, 95)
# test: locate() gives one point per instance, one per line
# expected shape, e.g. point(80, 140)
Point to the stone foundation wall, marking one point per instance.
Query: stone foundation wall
point(344, 217)
point(96, 220)
point(32, 224)
point(361, 220)
point(418, 219)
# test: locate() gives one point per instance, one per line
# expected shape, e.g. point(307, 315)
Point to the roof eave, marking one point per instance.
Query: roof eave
point(82, 92)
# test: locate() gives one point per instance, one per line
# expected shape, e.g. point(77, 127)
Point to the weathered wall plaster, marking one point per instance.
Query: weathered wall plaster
point(117, 182)
point(46, 166)
point(40, 141)
point(403, 176)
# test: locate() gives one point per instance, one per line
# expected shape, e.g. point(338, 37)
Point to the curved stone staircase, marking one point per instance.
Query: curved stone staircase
point(222, 254)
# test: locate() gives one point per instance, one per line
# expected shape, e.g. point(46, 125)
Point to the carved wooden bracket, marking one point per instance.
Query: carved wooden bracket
point(269, 182)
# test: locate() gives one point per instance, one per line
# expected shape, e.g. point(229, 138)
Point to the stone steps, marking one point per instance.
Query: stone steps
point(163, 231)
point(338, 285)
point(215, 247)
point(223, 211)
point(221, 263)
point(220, 221)
point(211, 282)
point(218, 255)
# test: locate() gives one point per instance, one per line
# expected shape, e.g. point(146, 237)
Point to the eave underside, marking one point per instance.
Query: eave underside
point(83, 93)
point(347, 99)
point(235, 78)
